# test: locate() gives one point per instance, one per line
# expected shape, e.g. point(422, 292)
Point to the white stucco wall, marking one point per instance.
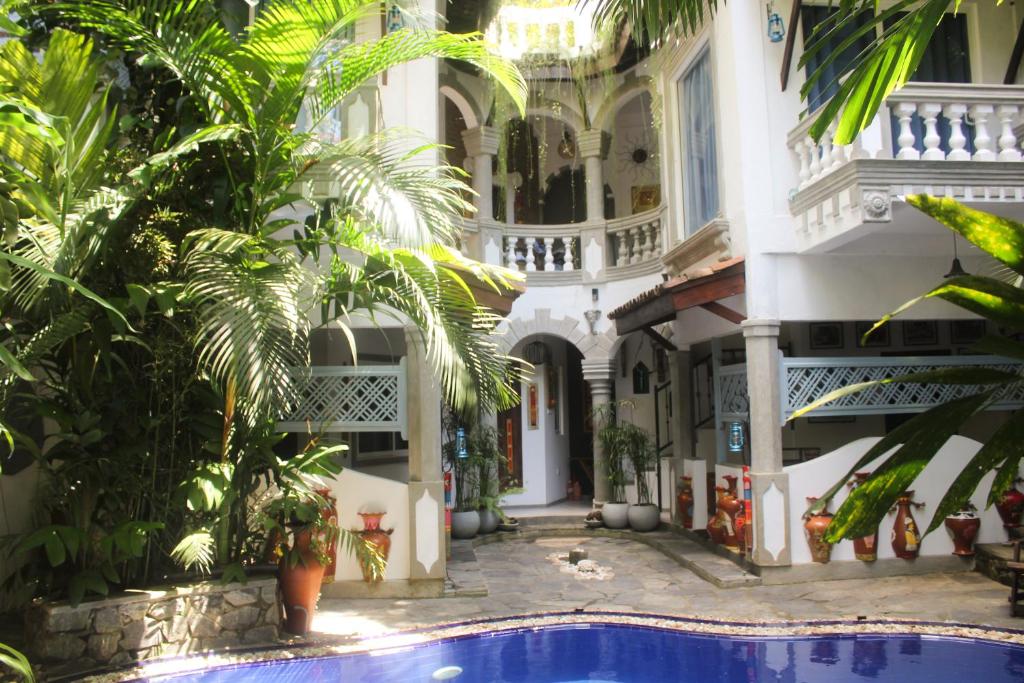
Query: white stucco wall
point(815, 477)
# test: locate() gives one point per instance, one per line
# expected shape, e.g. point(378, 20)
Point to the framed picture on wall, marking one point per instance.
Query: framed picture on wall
point(645, 197)
point(878, 338)
point(920, 333)
point(966, 331)
point(826, 335)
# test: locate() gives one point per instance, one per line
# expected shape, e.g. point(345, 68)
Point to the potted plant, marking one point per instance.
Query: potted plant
point(639, 451)
point(465, 514)
point(611, 435)
point(483, 448)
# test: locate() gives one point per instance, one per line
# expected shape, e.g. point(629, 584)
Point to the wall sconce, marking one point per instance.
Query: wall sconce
point(592, 317)
point(776, 29)
point(736, 438)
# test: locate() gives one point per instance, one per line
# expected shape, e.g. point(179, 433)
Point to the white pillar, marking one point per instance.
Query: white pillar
point(482, 144)
point(682, 415)
point(599, 374)
point(512, 181)
point(426, 489)
point(593, 146)
point(770, 486)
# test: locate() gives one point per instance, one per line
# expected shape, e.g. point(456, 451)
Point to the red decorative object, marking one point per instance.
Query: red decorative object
point(717, 524)
point(815, 527)
point(684, 501)
point(730, 506)
point(300, 585)
point(865, 548)
point(906, 538)
point(577, 490)
point(374, 535)
point(531, 406)
point(330, 514)
point(963, 527)
point(1010, 507)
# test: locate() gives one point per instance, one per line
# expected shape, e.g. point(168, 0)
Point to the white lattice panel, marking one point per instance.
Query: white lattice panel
point(808, 379)
point(351, 399)
point(735, 403)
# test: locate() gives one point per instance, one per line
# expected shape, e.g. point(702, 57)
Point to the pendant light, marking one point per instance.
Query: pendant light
point(955, 270)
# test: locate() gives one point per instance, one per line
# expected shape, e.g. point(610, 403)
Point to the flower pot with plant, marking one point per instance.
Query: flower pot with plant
point(613, 437)
point(484, 453)
point(458, 460)
point(639, 452)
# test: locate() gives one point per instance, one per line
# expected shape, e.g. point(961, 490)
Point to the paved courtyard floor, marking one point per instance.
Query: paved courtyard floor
point(521, 578)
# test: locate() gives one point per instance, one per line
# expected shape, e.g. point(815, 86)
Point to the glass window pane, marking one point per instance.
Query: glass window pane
point(700, 171)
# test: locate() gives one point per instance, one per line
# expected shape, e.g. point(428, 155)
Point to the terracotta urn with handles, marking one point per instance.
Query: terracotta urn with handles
point(374, 535)
point(716, 526)
point(905, 537)
point(963, 527)
point(815, 526)
point(729, 506)
point(865, 548)
point(1010, 506)
point(684, 501)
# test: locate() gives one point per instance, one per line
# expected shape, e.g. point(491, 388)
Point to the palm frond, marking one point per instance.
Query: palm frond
point(653, 21)
point(195, 550)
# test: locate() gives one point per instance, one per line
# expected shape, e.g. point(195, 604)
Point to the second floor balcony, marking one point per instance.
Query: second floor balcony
point(943, 139)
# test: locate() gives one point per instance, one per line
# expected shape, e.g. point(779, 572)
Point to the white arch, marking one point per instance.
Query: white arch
point(462, 104)
point(618, 98)
point(572, 330)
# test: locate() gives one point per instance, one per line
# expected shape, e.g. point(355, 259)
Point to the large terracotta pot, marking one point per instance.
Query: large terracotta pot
point(717, 524)
point(684, 502)
point(906, 538)
point(731, 506)
point(963, 527)
point(374, 535)
point(1010, 507)
point(865, 548)
point(815, 527)
point(330, 513)
point(300, 585)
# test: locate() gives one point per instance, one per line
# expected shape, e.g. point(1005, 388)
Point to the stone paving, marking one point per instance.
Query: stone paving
point(519, 579)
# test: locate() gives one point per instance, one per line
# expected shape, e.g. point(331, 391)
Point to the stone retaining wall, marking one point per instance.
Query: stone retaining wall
point(144, 624)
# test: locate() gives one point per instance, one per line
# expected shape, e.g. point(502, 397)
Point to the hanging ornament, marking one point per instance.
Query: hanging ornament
point(566, 148)
point(395, 20)
point(460, 443)
point(776, 29)
point(736, 439)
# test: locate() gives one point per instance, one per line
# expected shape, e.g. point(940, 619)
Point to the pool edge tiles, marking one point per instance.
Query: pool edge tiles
point(170, 667)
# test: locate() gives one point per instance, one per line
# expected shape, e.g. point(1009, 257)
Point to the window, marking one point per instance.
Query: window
point(700, 163)
point(826, 86)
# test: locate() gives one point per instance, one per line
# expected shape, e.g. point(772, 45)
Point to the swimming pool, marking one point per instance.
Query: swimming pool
point(571, 653)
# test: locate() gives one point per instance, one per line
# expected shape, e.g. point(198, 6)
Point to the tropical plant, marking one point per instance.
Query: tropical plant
point(16, 662)
point(625, 446)
point(483, 449)
point(915, 442)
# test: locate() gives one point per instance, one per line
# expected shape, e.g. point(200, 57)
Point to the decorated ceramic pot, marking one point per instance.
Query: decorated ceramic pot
point(963, 527)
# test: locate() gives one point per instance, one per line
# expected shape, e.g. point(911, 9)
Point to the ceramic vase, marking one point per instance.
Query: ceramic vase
point(963, 527)
point(330, 514)
point(716, 525)
point(300, 584)
point(684, 502)
point(815, 527)
point(615, 515)
point(374, 535)
point(865, 548)
point(1010, 506)
point(731, 506)
point(906, 538)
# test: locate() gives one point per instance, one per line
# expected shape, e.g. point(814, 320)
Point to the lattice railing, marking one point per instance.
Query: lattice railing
point(805, 380)
point(351, 399)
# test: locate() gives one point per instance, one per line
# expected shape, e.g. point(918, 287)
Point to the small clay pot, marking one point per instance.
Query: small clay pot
point(815, 527)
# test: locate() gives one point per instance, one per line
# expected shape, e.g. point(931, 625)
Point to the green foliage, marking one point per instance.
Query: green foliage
point(624, 443)
point(914, 443)
point(17, 663)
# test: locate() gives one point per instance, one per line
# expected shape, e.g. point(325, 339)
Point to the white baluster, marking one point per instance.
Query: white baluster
point(531, 258)
point(648, 230)
point(656, 232)
point(857, 150)
point(980, 113)
point(622, 248)
point(930, 111)
point(957, 140)
point(549, 256)
point(510, 253)
point(567, 258)
point(905, 114)
point(826, 150)
point(805, 172)
point(1008, 151)
point(636, 246)
point(815, 165)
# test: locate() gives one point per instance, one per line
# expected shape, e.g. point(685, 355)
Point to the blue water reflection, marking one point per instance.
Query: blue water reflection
point(624, 654)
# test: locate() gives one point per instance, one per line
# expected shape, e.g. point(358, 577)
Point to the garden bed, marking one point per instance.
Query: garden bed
point(144, 624)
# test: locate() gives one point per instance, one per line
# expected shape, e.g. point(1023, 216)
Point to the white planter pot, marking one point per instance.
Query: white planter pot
point(615, 515)
point(488, 521)
point(644, 517)
point(465, 524)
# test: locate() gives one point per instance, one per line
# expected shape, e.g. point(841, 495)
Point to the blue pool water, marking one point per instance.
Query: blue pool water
point(626, 654)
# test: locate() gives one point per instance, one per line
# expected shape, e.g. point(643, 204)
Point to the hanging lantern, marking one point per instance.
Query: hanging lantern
point(776, 29)
point(460, 443)
point(395, 20)
point(736, 438)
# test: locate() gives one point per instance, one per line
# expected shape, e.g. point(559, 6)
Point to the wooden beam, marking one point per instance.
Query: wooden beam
point(724, 312)
point(1015, 57)
point(653, 312)
point(787, 56)
point(714, 288)
point(659, 340)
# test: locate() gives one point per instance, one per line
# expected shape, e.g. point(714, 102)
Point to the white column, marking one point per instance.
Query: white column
point(593, 146)
point(426, 490)
point(770, 485)
point(682, 417)
point(598, 373)
point(512, 181)
point(482, 144)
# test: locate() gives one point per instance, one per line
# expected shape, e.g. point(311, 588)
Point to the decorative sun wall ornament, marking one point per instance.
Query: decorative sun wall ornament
point(638, 157)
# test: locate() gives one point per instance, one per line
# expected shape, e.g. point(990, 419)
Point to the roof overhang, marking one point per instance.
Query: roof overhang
point(662, 303)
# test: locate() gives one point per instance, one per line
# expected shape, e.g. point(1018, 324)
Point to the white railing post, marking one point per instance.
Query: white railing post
point(531, 258)
point(982, 140)
point(955, 113)
point(549, 256)
point(815, 164)
point(929, 112)
point(905, 114)
point(567, 258)
point(1007, 114)
point(511, 260)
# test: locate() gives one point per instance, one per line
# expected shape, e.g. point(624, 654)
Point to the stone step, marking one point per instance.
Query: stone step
point(990, 559)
